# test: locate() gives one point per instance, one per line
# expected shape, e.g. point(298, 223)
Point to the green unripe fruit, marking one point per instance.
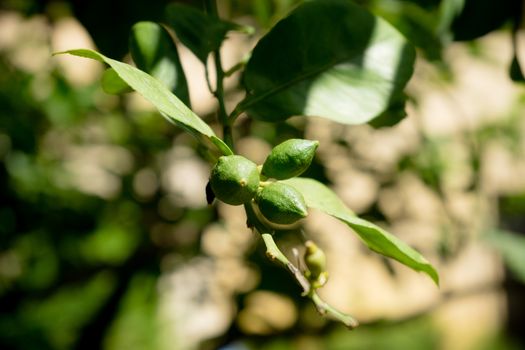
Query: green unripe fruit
point(289, 159)
point(281, 204)
point(234, 179)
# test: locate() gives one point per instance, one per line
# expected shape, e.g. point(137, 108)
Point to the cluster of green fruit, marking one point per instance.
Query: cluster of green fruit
point(236, 180)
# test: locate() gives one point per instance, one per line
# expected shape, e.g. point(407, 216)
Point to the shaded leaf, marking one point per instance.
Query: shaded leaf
point(448, 11)
point(390, 117)
point(198, 31)
point(416, 23)
point(154, 52)
point(320, 197)
point(113, 84)
point(515, 71)
point(479, 17)
point(155, 92)
point(330, 59)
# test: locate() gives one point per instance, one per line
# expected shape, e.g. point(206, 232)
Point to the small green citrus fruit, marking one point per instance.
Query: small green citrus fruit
point(234, 179)
point(289, 159)
point(281, 204)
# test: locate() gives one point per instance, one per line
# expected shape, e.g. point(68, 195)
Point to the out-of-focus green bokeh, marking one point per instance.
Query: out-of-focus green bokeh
point(107, 242)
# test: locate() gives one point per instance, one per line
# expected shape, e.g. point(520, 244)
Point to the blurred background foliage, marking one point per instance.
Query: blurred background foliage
point(106, 240)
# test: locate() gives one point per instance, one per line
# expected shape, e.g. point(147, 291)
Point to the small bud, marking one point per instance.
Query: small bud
point(289, 159)
point(315, 261)
point(281, 204)
point(234, 179)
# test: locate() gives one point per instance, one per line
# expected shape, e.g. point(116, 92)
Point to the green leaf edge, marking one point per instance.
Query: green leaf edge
point(319, 196)
point(180, 89)
point(219, 25)
point(177, 112)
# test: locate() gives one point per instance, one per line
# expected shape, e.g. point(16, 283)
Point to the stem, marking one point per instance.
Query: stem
point(325, 309)
point(211, 8)
point(276, 255)
point(235, 113)
point(235, 68)
point(272, 251)
point(238, 66)
point(207, 76)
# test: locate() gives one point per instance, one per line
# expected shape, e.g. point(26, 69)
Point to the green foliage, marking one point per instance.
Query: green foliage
point(137, 326)
point(515, 71)
point(111, 244)
point(287, 208)
point(154, 52)
point(62, 316)
point(169, 105)
point(478, 17)
point(416, 23)
point(512, 248)
point(112, 83)
point(349, 73)
point(84, 266)
point(199, 32)
point(318, 196)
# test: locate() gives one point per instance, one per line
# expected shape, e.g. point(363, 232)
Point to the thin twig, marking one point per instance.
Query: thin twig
point(276, 255)
point(211, 7)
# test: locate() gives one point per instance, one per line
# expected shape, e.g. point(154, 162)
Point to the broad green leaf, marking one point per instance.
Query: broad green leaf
point(155, 92)
point(330, 59)
point(320, 197)
point(198, 31)
point(153, 51)
point(511, 246)
point(113, 84)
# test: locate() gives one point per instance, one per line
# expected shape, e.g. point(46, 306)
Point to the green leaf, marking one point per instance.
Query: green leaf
point(320, 197)
point(393, 115)
point(113, 84)
point(330, 59)
point(198, 31)
point(448, 11)
point(154, 52)
point(173, 109)
point(416, 23)
point(511, 246)
point(515, 71)
point(479, 17)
